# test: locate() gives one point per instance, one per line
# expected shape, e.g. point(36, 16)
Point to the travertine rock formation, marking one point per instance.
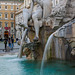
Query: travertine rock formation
point(63, 12)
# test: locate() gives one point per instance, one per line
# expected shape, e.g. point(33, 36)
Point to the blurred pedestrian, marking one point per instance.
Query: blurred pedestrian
point(5, 42)
point(9, 42)
point(12, 43)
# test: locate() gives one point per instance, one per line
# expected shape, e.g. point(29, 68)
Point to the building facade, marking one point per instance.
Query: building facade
point(7, 18)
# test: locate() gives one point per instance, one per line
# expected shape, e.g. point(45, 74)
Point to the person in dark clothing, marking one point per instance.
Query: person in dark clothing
point(9, 41)
point(5, 42)
point(12, 42)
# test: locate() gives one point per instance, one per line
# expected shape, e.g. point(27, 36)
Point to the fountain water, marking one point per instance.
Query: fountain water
point(47, 47)
point(56, 47)
point(24, 35)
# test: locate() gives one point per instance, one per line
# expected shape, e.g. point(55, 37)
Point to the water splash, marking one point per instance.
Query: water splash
point(47, 47)
point(17, 59)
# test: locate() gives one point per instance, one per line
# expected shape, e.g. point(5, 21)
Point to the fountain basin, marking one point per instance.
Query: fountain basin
point(11, 65)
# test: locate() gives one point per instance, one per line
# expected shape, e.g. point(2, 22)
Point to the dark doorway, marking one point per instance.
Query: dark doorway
point(6, 34)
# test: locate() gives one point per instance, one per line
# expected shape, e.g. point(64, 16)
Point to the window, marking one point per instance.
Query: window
point(0, 15)
point(12, 16)
point(0, 7)
point(0, 24)
point(11, 7)
point(12, 24)
point(6, 7)
point(6, 15)
point(6, 24)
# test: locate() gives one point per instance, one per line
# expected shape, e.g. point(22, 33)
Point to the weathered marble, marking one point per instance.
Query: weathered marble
point(63, 12)
point(37, 16)
point(65, 41)
point(60, 19)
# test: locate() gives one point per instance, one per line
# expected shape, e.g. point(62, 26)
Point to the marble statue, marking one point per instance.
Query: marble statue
point(43, 7)
point(41, 11)
point(47, 7)
point(37, 16)
point(26, 15)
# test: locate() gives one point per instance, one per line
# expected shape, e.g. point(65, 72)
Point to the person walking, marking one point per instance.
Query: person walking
point(12, 43)
point(5, 42)
point(9, 42)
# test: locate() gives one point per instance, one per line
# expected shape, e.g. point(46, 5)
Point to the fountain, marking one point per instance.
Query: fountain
point(60, 33)
point(40, 24)
point(20, 51)
point(40, 21)
point(60, 44)
point(47, 48)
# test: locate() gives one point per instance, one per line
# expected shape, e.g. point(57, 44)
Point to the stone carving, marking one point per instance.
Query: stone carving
point(63, 12)
point(43, 7)
point(26, 16)
point(31, 48)
point(46, 5)
point(37, 16)
point(66, 30)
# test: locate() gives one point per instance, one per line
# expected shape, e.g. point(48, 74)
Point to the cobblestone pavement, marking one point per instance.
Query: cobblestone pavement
point(15, 48)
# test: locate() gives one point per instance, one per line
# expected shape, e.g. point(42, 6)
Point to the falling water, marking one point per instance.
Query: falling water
point(25, 17)
point(56, 47)
point(20, 51)
point(27, 40)
point(47, 47)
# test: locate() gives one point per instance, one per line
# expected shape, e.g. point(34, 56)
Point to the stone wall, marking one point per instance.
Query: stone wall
point(45, 31)
point(63, 13)
point(65, 43)
point(64, 39)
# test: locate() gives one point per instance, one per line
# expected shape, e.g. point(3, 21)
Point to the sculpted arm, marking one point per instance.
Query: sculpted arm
point(37, 14)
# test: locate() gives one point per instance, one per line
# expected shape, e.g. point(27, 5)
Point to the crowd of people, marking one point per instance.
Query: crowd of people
point(9, 43)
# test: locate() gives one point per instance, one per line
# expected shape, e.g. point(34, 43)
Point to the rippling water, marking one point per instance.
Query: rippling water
point(11, 65)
